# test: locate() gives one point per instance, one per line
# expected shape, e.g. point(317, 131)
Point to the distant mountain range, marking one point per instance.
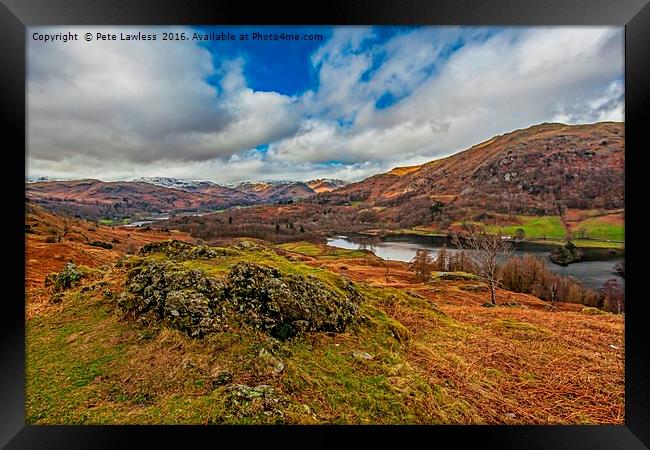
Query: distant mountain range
point(546, 169)
point(93, 198)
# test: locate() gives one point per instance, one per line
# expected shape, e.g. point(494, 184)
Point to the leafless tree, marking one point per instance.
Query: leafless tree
point(484, 251)
point(422, 263)
point(614, 296)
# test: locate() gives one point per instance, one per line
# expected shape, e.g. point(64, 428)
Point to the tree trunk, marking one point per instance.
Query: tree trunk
point(493, 293)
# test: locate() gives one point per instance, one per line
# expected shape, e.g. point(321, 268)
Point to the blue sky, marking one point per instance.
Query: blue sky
point(361, 101)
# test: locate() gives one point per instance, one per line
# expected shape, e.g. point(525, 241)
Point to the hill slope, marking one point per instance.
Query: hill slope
point(541, 170)
point(405, 352)
point(95, 199)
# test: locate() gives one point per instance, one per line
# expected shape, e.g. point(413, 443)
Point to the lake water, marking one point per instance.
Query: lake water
point(592, 273)
point(147, 221)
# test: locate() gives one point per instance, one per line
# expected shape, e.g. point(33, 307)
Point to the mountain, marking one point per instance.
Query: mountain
point(541, 170)
point(325, 184)
point(95, 199)
point(186, 185)
point(276, 191)
point(32, 179)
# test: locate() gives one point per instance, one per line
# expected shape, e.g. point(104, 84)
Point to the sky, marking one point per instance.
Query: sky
point(359, 101)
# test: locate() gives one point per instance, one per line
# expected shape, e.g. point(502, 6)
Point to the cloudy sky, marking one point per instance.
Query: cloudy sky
point(358, 102)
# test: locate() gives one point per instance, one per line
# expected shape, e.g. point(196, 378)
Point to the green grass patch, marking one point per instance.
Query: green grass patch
point(535, 227)
point(600, 228)
point(326, 252)
point(303, 247)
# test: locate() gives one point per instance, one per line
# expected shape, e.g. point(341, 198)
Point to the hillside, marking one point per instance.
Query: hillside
point(274, 191)
point(253, 333)
point(325, 184)
point(96, 199)
point(52, 240)
point(542, 170)
point(553, 182)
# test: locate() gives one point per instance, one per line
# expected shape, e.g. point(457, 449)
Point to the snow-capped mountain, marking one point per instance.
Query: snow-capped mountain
point(186, 185)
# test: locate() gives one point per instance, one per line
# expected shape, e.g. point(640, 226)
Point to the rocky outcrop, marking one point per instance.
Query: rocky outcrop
point(287, 304)
point(183, 299)
point(182, 250)
point(281, 304)
point(566, 255)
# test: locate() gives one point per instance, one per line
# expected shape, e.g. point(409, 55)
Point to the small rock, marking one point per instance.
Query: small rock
point(274, 364)
point(222, 378)
point(613, 346)
point(362, 355)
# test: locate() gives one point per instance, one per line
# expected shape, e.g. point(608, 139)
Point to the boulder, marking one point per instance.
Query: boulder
point(183, 250)
point(186, 300)
point(286, 304)
point(283, 305)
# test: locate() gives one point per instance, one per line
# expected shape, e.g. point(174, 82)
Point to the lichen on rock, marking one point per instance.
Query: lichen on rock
point(287, 304)
point(183, 250)
point(281, 304)
point(186, 300)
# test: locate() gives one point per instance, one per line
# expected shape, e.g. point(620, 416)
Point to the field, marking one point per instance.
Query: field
point(609, 227)
point(535, 227)
point(420, 353)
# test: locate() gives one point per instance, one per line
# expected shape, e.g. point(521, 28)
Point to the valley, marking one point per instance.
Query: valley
point(412, 351)
point(166, 301)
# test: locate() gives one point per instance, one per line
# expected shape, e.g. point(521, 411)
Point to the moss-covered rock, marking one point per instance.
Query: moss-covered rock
point(281, 304)
point(69, 277)
point(184, 299)
point(183, 250)
point(285, 304)
point(455, 276)
point(260, 403)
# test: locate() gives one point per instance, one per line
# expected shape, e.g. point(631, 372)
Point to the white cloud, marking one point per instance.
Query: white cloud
point(144, 101)
point(114, 110)
point(511, 80)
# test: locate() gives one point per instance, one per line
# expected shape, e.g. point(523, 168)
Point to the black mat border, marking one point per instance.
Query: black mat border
point(16, 15)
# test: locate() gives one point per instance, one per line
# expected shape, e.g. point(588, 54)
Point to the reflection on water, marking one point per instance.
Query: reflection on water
point(592, 273)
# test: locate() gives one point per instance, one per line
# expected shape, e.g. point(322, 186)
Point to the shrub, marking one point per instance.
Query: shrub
point(64, 280)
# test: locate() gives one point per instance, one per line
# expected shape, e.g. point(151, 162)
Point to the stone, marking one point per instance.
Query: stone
point(362, 355)
point(222, 378)
point(272, 363)
point(244, 401)
point(283, 305)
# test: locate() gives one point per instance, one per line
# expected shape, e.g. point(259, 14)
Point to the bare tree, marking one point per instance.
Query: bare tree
point(614, 297)
point(484, 251)
point(422, 263)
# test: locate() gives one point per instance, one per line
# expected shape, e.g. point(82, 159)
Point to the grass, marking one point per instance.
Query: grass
point(583, 243)
point(324, 251)
point(535, 227)
point(405, 361)
point(602, 228)
point(419, 231)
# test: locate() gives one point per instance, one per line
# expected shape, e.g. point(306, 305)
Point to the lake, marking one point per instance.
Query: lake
point(592, 273)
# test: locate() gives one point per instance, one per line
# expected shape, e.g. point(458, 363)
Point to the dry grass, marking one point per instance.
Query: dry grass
point(519, 366)
point(438, 356)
